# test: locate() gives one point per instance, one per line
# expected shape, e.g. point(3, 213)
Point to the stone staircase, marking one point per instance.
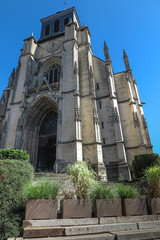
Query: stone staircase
point(112, 228)
point(109, 228)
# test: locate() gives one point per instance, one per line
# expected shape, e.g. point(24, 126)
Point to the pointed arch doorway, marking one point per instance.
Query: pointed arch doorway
point(47, 143)
point(40, 133)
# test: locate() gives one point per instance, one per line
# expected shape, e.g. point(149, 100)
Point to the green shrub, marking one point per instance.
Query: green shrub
point(17, 154)
point(101, 191)
point(42, 189)
point(14, 174)
point(152, 176)
point(127, 191)
point(83, 178)
point(143, 161)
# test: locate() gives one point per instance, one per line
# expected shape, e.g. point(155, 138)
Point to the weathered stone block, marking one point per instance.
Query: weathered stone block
point(43, 232)
point(93, 229)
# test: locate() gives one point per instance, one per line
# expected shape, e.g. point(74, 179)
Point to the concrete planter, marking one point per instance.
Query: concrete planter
point(41, 209)
point(108, 208)
point(76, 208)
point(153, 205)
point(134, 207)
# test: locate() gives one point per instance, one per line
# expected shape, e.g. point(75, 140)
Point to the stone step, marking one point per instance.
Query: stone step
point(148, 225)
point(77, 230)
point(43, 232)
point(148, 234)
point(103, 228)
point(51, 175)
point(127, 219)
point(59, 222)
point(91, 221)
point(103, 236)
point(138, 234)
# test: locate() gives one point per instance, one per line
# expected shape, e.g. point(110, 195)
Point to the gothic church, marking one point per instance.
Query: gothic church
point(63, 104)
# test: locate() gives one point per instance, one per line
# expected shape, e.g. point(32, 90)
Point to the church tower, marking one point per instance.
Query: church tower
point(63, 104)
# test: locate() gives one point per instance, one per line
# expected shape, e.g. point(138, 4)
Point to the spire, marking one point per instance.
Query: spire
point(106, 53)
point(126, 61)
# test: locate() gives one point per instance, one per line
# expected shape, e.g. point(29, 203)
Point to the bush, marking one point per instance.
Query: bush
point(83, 178)
point(143, 161)
point(101, 191)
point(152, 176)
point(42, 189)
point(17, 154)
point(127, 191)
point(14, 174)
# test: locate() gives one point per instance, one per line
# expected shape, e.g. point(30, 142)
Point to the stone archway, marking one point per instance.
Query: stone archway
point(46, 156)
point(34, 136)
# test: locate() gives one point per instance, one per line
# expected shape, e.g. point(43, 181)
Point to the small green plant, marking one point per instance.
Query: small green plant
point(143, 161)
point(101, 191)
point(42, 189)
point(16, 154)
point(83, 178)
point(152, 176)
point(127, 191)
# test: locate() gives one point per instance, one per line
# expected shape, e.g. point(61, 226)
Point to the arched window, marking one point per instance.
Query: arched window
point(47, 30)
point(56, 26)
point(51, 76)
point(66, 21)
point(54, 73)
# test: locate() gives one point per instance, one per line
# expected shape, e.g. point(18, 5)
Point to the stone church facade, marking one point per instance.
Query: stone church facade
point(63, 104)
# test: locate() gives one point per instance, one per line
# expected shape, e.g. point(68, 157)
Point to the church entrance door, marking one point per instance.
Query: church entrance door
point(47, 143)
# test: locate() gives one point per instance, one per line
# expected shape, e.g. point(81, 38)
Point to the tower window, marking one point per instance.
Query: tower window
point(47, 30)
point(97, 86)
point(102, 123)
point(104, 141)
point(66, 21)
point(56, 26)
point(100, 105)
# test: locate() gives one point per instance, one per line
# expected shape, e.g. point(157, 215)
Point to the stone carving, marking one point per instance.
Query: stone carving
point(61, 72)
point(115, 115)
point(60, 116)
point(29, 84)
point(77, 116)
point(106, 52)
point(20, 125)
point(75, 69)
point(144, 121)
point(45, 76)
point(90, 72)
point(95, 117)
point(136, 119)
point(53, 46)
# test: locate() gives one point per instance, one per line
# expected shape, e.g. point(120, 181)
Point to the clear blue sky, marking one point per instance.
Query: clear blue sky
point(130, 24)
